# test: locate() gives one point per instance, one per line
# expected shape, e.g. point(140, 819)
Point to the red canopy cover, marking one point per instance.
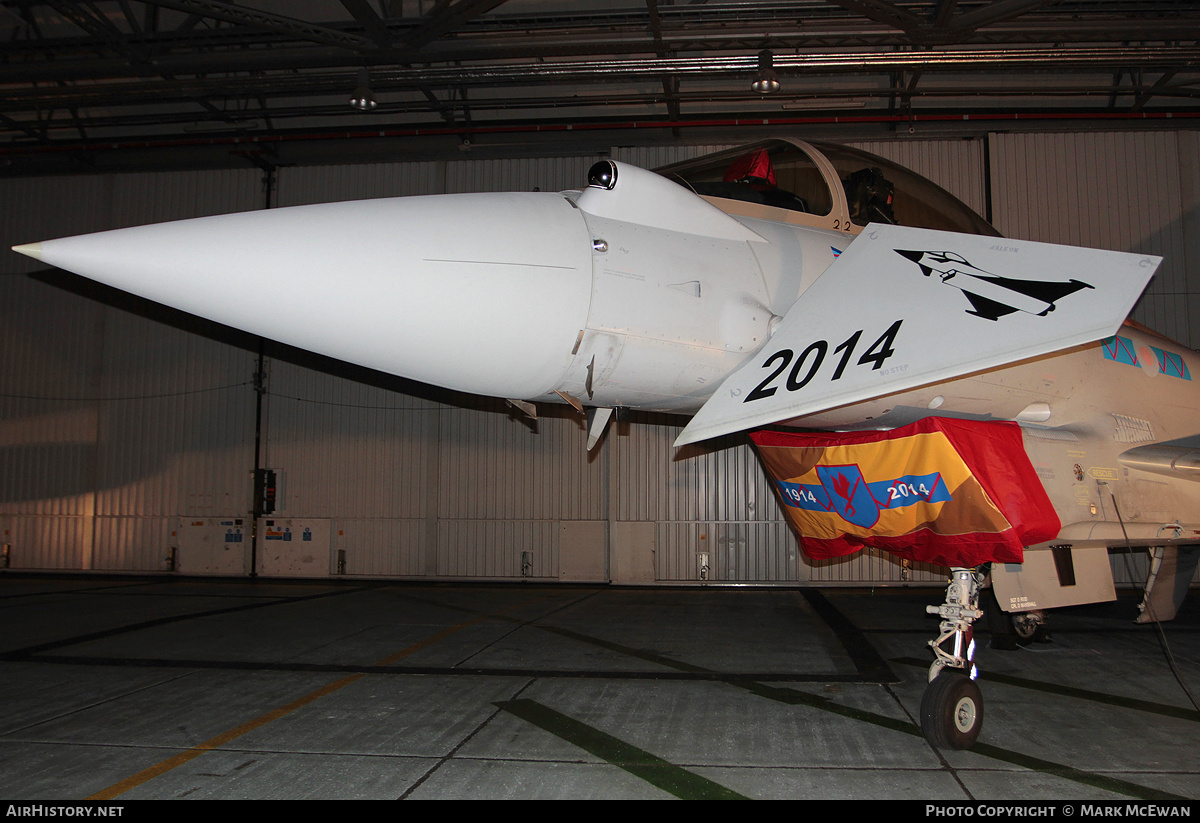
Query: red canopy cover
point(754, 167)
point(946, 491)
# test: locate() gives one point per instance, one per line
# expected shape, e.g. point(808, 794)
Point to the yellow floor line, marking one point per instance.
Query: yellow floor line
point(170, 763)
point(178, 760)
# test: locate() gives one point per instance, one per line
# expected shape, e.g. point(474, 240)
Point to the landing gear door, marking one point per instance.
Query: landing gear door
point(1053, 578)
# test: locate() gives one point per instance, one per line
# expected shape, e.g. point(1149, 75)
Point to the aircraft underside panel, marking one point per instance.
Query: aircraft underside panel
point(625, 370)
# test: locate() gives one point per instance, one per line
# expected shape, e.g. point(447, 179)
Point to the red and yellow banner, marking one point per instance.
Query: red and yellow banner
point(945, 491)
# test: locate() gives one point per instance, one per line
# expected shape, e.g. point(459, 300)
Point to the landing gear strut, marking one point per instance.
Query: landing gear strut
point(952, 706)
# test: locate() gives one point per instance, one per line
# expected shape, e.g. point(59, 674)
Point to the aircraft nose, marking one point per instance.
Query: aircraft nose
point(484, 293)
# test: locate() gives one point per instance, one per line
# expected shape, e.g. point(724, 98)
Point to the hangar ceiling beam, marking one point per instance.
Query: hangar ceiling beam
point(999, 12)
point(165, 70)
point(242, 16)
point(444, 18)
point(882, 12)
point(943, 13)
point(1160, 84)
point(670, 83)
point(371, 22)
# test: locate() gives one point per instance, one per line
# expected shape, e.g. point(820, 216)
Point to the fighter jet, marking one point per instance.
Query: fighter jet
point(743, 289)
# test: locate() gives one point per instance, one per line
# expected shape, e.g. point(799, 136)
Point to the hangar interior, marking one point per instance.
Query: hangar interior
point(130, 438)
point(172, 639)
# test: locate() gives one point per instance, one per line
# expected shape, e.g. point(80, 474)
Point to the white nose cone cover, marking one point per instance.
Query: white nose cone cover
point(484, 293)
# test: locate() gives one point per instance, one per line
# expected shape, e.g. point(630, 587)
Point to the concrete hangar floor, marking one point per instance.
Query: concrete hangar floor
point(132, 688)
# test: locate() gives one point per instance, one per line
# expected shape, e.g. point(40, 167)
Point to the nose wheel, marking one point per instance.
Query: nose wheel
point(952, 706)
point(952, 710)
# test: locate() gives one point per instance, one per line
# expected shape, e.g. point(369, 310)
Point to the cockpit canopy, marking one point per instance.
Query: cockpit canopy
point(844, 187)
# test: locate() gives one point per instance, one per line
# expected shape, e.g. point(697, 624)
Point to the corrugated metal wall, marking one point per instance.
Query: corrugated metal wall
point(359, 456)
point(115, 429)
point(112, 426)
point(1134, 192)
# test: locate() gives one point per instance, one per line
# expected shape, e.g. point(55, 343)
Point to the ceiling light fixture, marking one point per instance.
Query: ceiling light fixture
point(767, 81)
point(363, 99)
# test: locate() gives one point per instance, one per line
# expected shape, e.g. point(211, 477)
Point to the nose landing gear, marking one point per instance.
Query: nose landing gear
point(952, 706)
